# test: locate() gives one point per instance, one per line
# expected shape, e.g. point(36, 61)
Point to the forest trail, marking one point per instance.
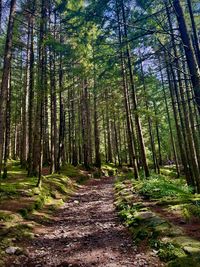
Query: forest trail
point(86, 232)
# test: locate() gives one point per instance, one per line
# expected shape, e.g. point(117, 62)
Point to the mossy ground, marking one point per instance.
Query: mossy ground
point(24, 206)
point(136, 202)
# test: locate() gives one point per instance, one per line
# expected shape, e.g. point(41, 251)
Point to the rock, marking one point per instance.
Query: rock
point(191, 250)
point(76, 201)
point(144, 215)
point(14, 250)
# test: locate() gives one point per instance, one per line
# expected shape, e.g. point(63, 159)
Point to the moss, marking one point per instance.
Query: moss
point(81, 179)
point(49, 197)
point(185, 261)
point(168, 240)
point(169, 251)
point(70, 171)
point(19, 232)
point(5, 217)
point(55, 205)
point(7, 189)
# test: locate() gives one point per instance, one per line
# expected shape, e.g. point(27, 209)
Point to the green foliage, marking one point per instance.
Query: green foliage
point(169, 241)
point(7, 189)
point(70, 171)
point(5, 217)
point(159, 186)
point(24, 212)
point(169, 251)
point(97, 173)
point(111, 172)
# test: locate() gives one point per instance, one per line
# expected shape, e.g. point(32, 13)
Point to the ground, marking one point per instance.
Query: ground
point(98, 218)
point(85, 232)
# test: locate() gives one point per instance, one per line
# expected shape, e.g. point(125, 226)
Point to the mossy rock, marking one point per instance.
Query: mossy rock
point(175, 231)
point(144, 215)
point(185, 261)
point(192, 250)
point(156, 221)
point(162, 228)
point(185, 241)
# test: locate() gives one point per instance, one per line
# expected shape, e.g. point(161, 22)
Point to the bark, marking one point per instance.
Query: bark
point(189, 52)
point(74, 129)
point(5, 76)
point(104, 134)
point(186, 125)
point(170, 125)
point(0, 14)
point(96, 132)
point(110, 156)
point(134, 97)
point(116, 140)
point(53, 105)
point(24, 142)
point(39, 123)
point(7, 132)
point(181, 139)
point(61, 118)
point(85, 129)
point(152, 140)
point(31, 96)
point(195, 34)
point(131, 147)
point(158, 136)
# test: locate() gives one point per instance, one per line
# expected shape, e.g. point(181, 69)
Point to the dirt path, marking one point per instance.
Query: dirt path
point(86, 232)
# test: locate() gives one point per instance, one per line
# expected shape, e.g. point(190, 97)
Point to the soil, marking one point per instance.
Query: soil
point(86, 232)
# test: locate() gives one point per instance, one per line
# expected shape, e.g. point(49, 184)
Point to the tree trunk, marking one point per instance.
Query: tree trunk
point(134, 97)
point(85, 129)
point(25, 101)
point(7, 131)
point(61, 118)
point(96, 131)
point(110, 156)
point(31, 95)
point(5, 76)
point(195, 34)
point(169, 123)
point(186, 125)
point(189, 52)
point(0, 14)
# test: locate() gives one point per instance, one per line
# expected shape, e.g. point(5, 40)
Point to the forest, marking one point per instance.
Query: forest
point(100, 133)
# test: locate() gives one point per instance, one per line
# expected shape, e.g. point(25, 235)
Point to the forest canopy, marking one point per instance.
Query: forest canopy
point(94, 81)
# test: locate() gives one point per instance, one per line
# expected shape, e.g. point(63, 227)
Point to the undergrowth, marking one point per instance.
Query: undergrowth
point(144, 224)
point(160, 186)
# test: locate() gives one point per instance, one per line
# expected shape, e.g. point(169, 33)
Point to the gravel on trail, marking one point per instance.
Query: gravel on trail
point(86, 232)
